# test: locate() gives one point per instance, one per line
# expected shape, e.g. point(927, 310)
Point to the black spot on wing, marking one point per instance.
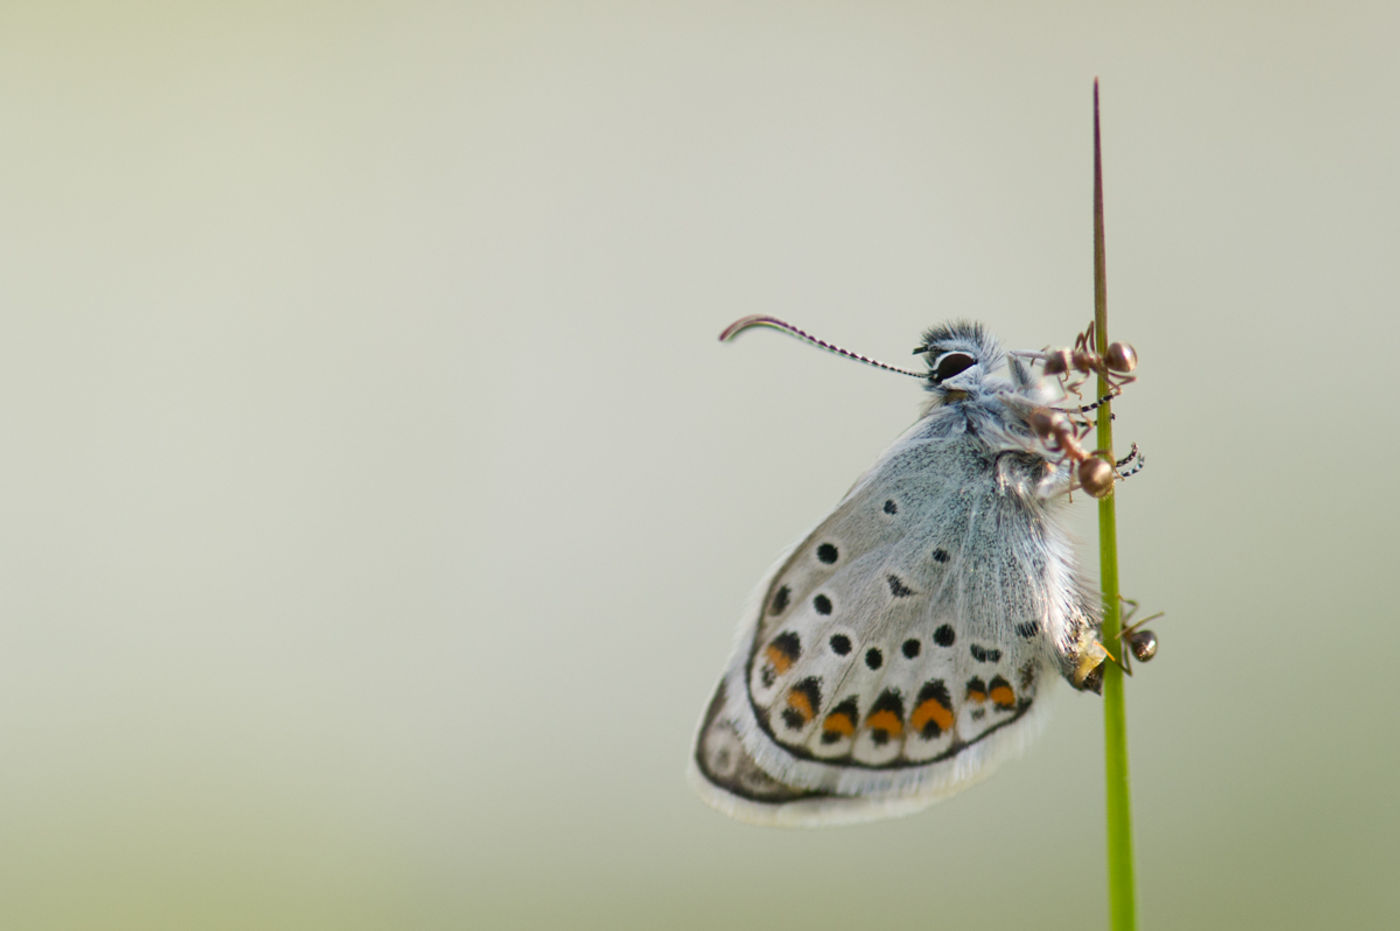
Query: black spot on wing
point(803, 702)
point(935, 689)
point(840, 644)
point(984, 654)
point(822, 604)
point(780, 600)
point(1028, 630)
point(897, 587)
point(789, 644)
point(891, 507)
point(940, 555)
point(944, 636)
point(827, 553)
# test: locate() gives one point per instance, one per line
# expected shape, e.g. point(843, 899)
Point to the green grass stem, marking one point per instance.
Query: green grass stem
point(1122, 903)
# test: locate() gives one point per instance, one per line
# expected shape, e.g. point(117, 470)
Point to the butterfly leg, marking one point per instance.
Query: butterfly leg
point(1133, 454)
point(1085, 408)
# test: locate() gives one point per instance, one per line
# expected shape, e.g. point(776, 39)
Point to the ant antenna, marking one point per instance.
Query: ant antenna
point(743, 323)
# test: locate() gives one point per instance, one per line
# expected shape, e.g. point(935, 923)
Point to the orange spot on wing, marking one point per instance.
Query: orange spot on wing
point(886, 721)
point(974, 695)
point(1003, 696)
point(838, 722)
point(780, 660)
point(932, 710)
point(799, 702)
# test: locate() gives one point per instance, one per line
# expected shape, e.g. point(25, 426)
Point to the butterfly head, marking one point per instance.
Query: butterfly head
point(960, 356)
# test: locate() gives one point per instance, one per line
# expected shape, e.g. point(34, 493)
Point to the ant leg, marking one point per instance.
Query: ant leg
point(1085, 341)
point(1117, 380)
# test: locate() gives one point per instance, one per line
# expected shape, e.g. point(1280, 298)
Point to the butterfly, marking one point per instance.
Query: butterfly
point(903, 649)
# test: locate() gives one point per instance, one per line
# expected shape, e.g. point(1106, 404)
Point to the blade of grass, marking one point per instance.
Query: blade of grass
point(1122, 905)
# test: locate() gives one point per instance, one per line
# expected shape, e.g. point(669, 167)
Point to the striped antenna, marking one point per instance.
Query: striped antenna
point(743, 323)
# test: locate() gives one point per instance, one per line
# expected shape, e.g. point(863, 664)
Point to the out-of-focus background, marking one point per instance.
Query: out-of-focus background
point(378, 504)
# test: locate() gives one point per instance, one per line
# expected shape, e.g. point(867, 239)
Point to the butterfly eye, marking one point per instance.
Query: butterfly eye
point(950, 364)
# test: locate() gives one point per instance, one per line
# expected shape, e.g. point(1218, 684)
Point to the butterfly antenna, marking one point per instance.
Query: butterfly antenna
point(743, 323)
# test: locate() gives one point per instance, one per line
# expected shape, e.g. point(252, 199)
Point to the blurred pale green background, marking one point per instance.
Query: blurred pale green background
point(378, 504)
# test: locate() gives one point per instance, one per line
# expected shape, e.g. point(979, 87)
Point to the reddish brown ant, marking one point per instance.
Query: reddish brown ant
point(1141, 643)
point(1060, 434)
point(1114, 366)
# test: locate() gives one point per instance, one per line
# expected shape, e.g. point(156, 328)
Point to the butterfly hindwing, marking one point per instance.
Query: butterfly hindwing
point(898, 651)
